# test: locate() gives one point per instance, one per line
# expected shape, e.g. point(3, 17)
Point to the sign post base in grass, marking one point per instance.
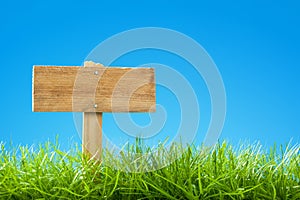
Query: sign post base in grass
point(93, 89)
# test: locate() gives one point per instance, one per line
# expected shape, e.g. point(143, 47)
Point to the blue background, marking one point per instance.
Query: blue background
point(255, 45)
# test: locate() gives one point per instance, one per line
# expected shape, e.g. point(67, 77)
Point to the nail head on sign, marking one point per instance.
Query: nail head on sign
point(95, 105)
point(96, 72)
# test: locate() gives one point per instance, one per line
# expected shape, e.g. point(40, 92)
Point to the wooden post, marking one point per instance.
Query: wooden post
point(92, 134)
point(92, 128)
point(100, 89)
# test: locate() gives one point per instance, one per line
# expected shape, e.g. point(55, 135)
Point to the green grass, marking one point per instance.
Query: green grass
point(219, 173)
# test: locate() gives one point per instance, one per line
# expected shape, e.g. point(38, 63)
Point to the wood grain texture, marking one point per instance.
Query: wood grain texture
point(92, 135)
point(93, 89)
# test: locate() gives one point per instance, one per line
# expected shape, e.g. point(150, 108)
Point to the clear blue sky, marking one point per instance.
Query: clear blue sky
point(255, 44)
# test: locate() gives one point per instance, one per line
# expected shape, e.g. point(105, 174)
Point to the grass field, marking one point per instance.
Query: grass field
point(219, 173)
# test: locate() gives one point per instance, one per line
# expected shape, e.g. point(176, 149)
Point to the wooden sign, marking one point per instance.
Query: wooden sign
point(93, 89)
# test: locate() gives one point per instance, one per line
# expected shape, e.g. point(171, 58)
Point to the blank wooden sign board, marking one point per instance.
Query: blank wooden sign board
point(93, 89)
